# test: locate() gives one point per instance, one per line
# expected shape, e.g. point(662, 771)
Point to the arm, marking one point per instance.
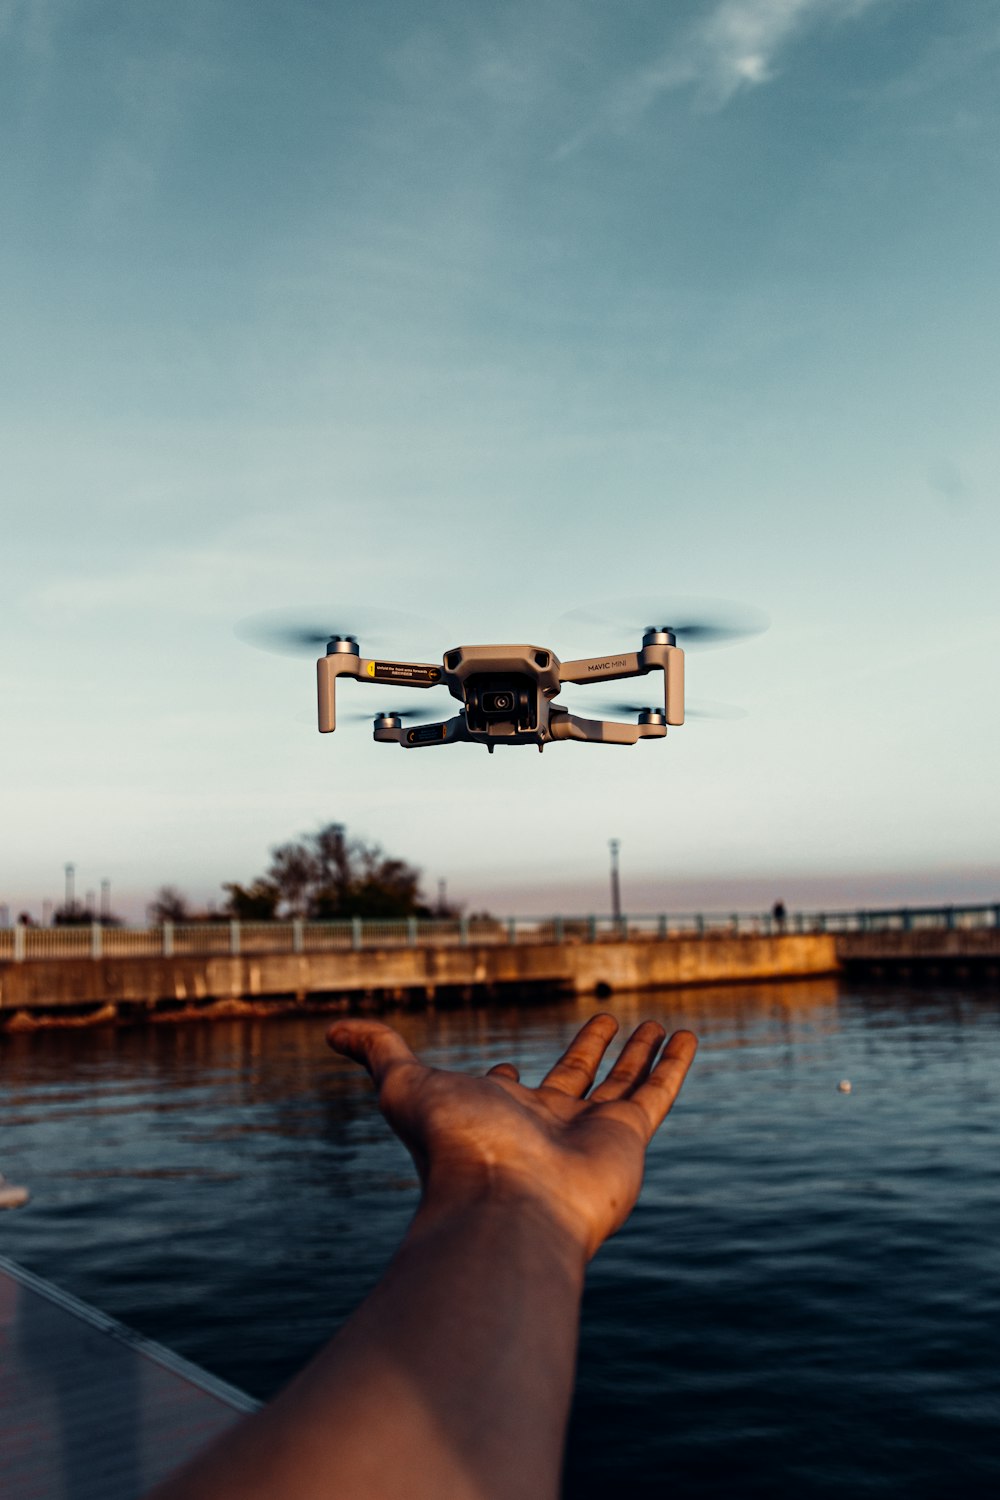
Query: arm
point(453, 1379)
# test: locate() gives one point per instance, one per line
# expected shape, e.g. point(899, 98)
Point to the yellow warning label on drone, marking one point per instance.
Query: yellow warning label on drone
point(412, 673)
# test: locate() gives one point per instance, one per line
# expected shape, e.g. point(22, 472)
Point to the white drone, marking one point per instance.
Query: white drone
point(508, 693)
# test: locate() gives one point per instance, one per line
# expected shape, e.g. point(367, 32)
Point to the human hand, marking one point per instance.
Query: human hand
point(573, 1152)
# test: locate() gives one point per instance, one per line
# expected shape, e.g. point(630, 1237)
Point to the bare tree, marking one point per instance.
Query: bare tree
point(169, 905)
point(326, 874)
point(293, 873)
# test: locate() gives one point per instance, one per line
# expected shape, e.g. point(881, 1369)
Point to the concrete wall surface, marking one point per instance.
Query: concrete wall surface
point(397, 973)
point(920, 946)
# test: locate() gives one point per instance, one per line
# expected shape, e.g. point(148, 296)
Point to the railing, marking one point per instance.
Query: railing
point(228, 939)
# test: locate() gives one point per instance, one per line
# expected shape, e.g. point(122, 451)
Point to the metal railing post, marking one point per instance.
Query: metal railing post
point(699, 924)
point(463, 931)
point(19, 931)
point(411, 932)
point(591, 929)
point(512, 930)
point(736, 923)
point(167, 939)
point(557, 930)
point(234, 937)
point(298, 936)
point(96, 935)
point(661, 926)
point(356, 933)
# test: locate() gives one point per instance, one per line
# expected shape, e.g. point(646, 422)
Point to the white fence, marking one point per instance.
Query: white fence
point(21, 943)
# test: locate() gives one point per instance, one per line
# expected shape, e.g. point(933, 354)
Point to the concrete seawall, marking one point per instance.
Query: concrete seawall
point(193, 985)
point(932, 952)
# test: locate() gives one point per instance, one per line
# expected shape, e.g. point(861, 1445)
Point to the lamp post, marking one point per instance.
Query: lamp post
point(616, 896)
point(70, 901)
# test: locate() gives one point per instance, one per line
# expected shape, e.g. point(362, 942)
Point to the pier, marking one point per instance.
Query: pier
point(79, 974)
point(89, 1409)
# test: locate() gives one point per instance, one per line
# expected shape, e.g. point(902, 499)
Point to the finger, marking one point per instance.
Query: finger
point(504, 1070)
point(576, 1070)
point(374, 1045)
point(632, 1067)
point(657, 1094)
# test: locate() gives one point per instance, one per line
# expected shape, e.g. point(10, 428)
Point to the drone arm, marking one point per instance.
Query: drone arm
point(349, 664)
point(418, 674)
point(328, 669)
point(673, 672)
point(567, 726)
point(602, 668)
point(445, 732)
point(652, 658)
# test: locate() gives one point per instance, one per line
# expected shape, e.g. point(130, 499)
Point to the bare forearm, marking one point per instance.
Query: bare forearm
point(453, 1379)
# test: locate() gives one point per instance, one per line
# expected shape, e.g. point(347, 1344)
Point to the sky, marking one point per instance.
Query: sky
point(484, 314)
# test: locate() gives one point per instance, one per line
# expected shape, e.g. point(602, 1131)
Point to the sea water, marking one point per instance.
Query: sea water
point(806, 1301)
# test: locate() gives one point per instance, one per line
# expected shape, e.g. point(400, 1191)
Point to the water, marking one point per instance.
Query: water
point(805, 1302)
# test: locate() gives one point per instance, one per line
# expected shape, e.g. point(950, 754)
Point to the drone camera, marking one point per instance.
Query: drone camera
point(496, 704)
point(492, 702)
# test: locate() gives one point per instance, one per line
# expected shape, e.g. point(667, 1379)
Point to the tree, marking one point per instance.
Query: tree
point(293, 872)
point(257, 902)
point(333, 857)
point(326, 874)
point(169, 905)
point(72, 914)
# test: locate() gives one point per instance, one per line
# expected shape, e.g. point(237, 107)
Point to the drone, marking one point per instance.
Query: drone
point(507, 695)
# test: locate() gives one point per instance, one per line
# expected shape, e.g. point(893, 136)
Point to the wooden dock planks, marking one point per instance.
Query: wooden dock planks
point(90, 1410)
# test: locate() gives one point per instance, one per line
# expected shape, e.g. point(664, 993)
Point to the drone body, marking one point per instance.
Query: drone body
point(507, 693)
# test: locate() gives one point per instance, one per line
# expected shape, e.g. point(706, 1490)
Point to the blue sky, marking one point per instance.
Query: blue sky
point(485, 315)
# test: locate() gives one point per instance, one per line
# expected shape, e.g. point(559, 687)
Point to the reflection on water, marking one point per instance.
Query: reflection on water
point(805, 1301)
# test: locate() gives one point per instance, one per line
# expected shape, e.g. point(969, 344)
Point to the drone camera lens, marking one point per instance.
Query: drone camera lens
point(499, 702)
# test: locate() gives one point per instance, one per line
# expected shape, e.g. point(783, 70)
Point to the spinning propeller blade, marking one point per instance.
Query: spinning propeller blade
point(292, 633)
point(698, 711)
point(411, 715)
point(696, 622)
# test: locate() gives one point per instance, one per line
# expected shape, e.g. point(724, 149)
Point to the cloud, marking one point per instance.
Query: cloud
point(733, 48)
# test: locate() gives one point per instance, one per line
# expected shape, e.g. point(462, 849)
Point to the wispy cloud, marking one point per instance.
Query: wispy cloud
point(736, 46)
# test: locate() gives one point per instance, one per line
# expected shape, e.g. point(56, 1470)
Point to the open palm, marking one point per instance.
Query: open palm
point(572, 1150)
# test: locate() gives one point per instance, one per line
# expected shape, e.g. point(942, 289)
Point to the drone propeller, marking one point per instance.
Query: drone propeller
point(702, 711)
point(412, 715)
point(694, 621)
point(290, 633)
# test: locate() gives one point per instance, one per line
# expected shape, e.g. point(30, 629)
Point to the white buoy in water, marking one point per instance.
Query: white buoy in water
point(844, 1085)
point(11, 1196)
